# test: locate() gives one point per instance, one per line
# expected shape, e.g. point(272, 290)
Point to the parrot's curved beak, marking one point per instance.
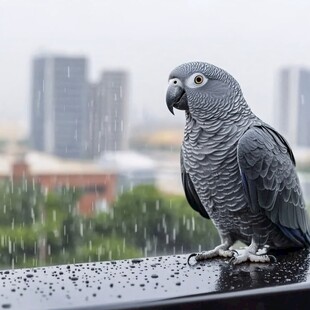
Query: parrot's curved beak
point(176, 98)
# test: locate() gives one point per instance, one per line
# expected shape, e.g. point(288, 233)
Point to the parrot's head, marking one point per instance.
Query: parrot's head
point(201, 89)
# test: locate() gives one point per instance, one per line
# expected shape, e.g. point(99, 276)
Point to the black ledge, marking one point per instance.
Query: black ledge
point(166, 282)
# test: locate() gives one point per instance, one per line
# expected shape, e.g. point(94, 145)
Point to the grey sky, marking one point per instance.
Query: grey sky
point(250, 39)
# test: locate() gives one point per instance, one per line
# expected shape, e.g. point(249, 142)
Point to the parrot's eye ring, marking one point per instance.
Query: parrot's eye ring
point(198, 79)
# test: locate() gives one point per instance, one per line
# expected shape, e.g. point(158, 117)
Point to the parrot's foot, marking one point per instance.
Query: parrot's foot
point(214, 253)
point(248, 256)
point(221, 251)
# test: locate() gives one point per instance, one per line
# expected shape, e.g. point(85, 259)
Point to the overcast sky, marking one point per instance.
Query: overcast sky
point(250, 39)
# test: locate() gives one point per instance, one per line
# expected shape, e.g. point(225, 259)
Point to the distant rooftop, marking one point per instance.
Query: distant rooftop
point(12, 132)
point(126, 161)
point(41, 163)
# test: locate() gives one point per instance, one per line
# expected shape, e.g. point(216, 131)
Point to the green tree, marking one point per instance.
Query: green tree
point(36, 227)
point(156, 223)
point(41, 228)
point(71, 238)
point(18, 212)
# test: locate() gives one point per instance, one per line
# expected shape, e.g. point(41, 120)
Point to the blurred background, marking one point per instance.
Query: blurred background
point(89, 153)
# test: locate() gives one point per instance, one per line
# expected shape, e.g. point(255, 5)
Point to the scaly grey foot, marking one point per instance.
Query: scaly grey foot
point(214, 253)
point(221, 251)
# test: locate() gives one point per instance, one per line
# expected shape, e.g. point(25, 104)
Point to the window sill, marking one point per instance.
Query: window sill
point(165, 282)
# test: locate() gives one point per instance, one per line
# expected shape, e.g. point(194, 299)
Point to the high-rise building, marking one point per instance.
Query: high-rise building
point(108, 113)
point(59, 105)
point(293, 105)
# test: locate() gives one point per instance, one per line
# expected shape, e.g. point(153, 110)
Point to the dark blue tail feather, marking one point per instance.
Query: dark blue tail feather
point(296, 235)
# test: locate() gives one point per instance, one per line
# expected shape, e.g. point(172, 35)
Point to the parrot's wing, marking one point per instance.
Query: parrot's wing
point(271, 185)
point(190, 192)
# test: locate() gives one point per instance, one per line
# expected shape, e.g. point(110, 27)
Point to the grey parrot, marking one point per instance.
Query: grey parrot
point(236, 170)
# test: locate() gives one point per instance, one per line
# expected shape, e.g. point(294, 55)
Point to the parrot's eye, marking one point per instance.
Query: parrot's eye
point(198, 79)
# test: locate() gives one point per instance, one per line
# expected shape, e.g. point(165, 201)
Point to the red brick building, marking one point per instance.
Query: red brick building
point(98, 186)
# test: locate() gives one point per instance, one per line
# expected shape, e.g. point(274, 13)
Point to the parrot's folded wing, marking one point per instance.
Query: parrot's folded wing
point(270, 181)
point(190, 192)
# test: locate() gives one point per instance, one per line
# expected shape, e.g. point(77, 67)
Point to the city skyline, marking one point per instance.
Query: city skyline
point(291, 94)
point(149, 40)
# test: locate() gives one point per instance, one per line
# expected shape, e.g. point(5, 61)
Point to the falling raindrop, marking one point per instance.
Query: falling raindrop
point(157, 205)
point(188, 224)
point(81, 229)
point(193, 224)
point(144, 207)
point(10, 246)
point(54, 215)
point(302, 99)
point(174, 234)
point(167, 239)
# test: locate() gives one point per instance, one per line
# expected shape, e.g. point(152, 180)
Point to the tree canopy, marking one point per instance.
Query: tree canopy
point(42, 228)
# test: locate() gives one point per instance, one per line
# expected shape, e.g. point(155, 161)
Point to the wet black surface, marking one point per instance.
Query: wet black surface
point(121, 284)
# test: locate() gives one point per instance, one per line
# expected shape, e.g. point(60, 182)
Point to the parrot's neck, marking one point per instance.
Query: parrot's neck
point(240, 113)
point(239, 116)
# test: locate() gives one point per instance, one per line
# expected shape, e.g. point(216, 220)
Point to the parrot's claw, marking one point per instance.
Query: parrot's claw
point(272, 258)
point(234, 253)
point(189, 257)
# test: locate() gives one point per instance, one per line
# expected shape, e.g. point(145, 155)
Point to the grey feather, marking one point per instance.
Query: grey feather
point(190, 192)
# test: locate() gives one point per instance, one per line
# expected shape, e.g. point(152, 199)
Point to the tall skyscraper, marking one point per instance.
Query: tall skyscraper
point(108, 113)
point(59, 105)
point(293, 105)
